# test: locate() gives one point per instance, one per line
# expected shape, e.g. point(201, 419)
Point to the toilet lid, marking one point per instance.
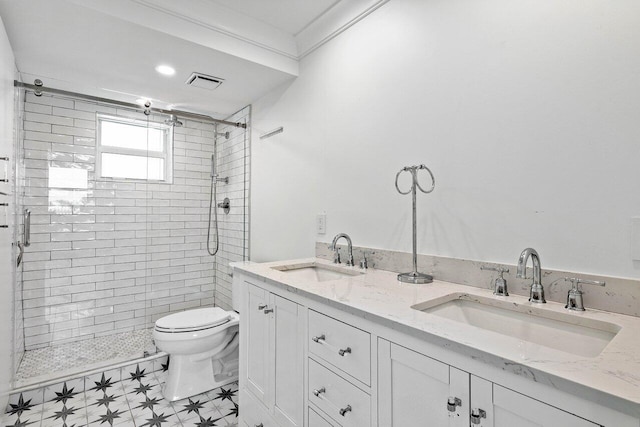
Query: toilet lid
point(190, 320)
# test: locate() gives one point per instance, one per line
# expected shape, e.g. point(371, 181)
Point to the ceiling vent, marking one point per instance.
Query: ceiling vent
point(204, 81)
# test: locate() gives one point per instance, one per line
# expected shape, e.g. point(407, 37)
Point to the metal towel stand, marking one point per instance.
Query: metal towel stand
point(415, 277)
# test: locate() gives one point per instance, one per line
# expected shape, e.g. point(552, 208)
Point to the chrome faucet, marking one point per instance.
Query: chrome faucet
point(537, 290)
point(334, 247)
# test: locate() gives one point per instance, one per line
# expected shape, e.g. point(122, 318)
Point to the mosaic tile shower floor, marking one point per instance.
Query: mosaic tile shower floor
point(63, 357)
point(129, 396)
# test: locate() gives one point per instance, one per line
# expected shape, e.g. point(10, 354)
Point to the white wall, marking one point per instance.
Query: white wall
point(6, 289)
point(527, 113)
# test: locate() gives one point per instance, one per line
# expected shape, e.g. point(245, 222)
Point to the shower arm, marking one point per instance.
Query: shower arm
point(185, 114)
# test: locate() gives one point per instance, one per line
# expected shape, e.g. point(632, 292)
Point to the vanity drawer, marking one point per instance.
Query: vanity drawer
point(316, 420)
point(342, 345)
point(344, 402)
point(253, 413)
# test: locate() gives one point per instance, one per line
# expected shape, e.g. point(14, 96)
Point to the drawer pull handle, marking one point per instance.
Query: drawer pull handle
point(259, 425)
point(267, 310)
point(318, 338)
point(341, 352)
point(476, 414)
point(319, 391)
point(262, 306)
point(344, 411)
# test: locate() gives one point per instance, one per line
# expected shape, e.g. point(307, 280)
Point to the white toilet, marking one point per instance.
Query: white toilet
point(203, 348)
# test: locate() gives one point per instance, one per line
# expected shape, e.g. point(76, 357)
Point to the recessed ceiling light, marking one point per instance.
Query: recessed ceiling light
point(165, 70)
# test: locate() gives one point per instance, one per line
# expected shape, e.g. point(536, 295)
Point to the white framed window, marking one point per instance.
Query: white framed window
point(133, 149)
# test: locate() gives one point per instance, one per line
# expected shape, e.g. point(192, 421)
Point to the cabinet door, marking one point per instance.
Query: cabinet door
point(506, 408)
point(256, 351)
point(286, 356)
point(413, 390)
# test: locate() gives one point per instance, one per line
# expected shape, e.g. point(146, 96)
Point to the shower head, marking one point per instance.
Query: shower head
point(173, 121)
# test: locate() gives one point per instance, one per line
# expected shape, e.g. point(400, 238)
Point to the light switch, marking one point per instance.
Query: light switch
point(635, 238)
point(321, 223)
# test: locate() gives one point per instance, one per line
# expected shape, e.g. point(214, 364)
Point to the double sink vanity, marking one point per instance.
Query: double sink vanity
point(324, 344)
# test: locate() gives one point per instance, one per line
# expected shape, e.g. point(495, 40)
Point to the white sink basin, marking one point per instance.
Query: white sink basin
point(316, 272)
point(566, 332)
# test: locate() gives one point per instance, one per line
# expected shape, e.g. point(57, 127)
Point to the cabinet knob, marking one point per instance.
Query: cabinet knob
point(341, 352)
point(452, 402)
point(344, 411)
point(318, 338)
point(267, 310)
point(319, 391)
point(476, 415)
point(262, 306)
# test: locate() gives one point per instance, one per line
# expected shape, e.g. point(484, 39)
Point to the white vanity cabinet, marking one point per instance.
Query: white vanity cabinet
point(271, 366)
point(414, 389)
point(305, 363)
point(502, 407)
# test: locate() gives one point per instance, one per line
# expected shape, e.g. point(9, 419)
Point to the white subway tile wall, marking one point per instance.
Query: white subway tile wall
point(233, 162)
point(111, 256)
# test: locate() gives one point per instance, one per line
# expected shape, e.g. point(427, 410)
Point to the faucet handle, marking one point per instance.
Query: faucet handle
point(500, 270)
point(576, 282)
point(574, 297)
point(364, 264)
point(500, 284)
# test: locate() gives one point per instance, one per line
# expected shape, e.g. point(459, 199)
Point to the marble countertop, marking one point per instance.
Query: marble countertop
point(611, 378)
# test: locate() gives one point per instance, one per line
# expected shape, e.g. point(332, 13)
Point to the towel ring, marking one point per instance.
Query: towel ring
point(414, 174)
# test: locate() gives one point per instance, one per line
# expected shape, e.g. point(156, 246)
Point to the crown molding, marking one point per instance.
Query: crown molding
point(213, 27)
point(334, 22)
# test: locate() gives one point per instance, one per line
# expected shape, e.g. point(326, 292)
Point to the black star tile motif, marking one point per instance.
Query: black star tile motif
point(143, 388)
point(110, 416)
point(225, 394)
point(106, 399)
point(208, 422)
point(193, 407)
point(24, 423)
point(20, 407)
point(138, 403)
point(148, 403)
point(64, 413)
point(65, 395)
point(103, 384)
point(156, 420)
point(138, 374)
point(235, 411)
point(165, 366)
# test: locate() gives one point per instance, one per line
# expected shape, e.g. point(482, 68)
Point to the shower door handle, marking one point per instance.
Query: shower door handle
point(27, 228)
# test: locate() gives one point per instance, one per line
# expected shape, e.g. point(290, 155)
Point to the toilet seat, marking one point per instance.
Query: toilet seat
point(193, 320)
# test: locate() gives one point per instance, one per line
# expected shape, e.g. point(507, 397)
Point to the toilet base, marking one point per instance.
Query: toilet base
point(187, 377)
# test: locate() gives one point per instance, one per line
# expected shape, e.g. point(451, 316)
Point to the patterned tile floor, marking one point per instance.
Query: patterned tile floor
point(79, 354)
point(128, 397)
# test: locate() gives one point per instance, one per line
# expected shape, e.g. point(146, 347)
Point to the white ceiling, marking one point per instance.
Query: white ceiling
point(109, 48)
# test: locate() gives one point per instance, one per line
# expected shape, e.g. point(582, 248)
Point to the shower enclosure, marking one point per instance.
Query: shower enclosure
point(119, 222)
